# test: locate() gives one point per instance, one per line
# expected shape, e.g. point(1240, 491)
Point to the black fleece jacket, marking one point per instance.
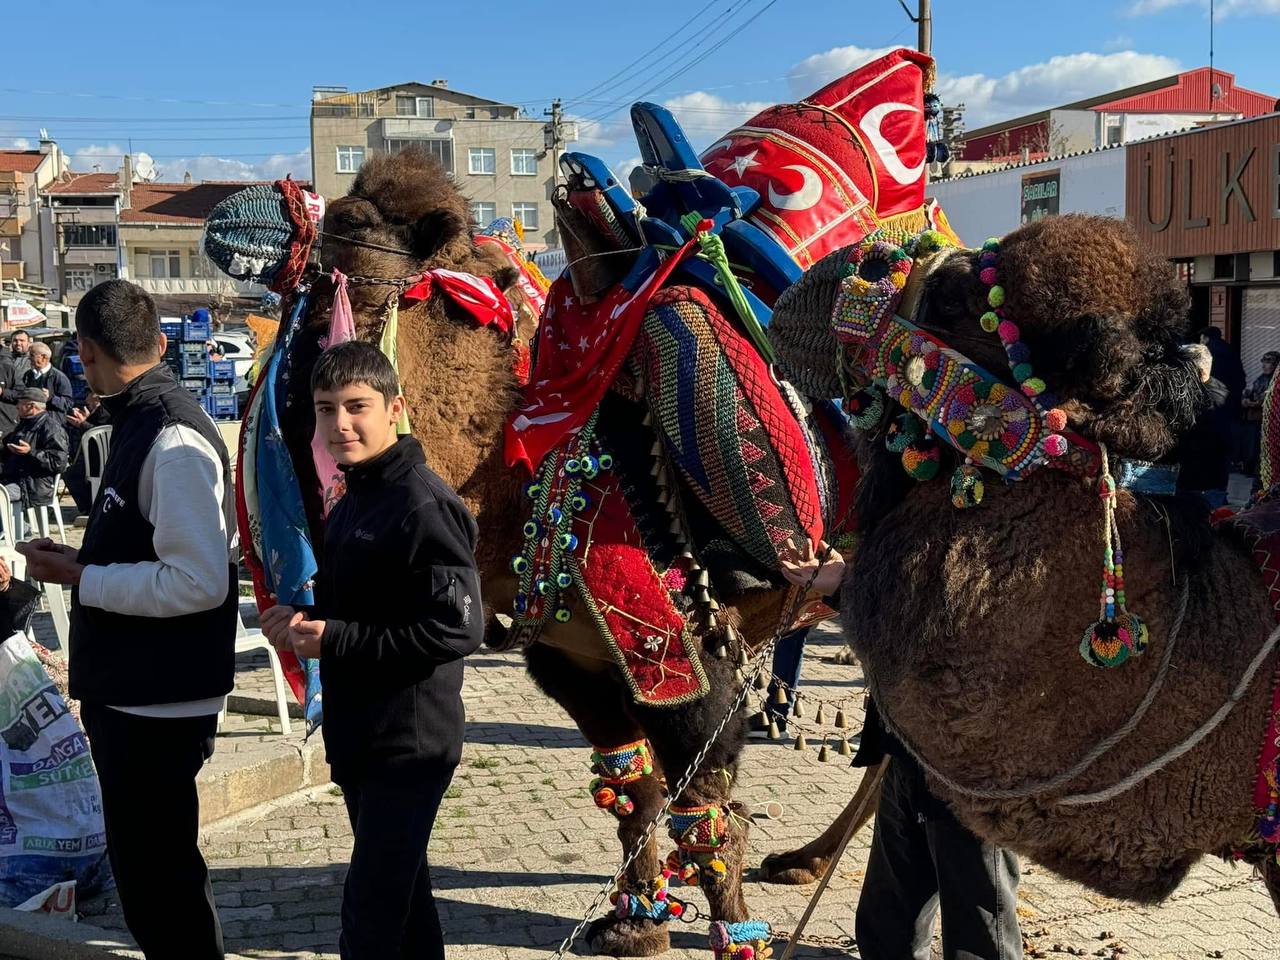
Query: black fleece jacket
point(400, 595)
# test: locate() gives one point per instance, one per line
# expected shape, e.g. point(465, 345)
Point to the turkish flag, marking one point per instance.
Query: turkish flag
point(830, 168)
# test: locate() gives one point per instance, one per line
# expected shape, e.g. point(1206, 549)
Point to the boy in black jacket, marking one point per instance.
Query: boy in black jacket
point(397, 608)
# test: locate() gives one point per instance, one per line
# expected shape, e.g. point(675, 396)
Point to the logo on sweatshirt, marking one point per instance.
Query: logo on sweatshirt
point(466, 609)
point(364, 535)
point(110, 498)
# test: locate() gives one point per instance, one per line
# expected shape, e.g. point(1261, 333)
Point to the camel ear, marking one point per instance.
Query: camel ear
point(506, 278)
point(434, 231)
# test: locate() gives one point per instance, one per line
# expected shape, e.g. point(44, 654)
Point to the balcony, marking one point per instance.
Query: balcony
point(416, 128)
point(205, 286)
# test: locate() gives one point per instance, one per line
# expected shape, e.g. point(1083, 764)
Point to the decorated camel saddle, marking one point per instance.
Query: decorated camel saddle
point(668, 461)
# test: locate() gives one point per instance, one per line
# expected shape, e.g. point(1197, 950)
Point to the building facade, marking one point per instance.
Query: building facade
point(82, 213)
point(495, 154)
point(24, 174)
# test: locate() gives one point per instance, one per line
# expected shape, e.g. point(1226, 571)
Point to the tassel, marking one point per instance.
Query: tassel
point(797, 710)
point(780, 696)
point(801, 742)
point(774, 734)
point(840, 721)
point(845, 750)
point(821, 718)
point(823, 753)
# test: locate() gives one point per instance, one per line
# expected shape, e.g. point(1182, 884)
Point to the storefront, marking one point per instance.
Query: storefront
point(1210, 201)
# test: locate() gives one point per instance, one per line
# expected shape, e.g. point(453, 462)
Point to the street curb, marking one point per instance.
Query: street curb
point(290, 767)
point(38, 936)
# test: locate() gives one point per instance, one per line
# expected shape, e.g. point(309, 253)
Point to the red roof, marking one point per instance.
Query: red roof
point(179, 203)
point(20, 161)
point(1189, 92)
point(86, 183)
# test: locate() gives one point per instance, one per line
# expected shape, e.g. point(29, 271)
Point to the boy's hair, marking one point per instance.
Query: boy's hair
point(121, 318)
point(355, 362)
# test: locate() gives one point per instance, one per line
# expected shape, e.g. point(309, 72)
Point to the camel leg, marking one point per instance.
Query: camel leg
point(810, 862)
point(596, 699)
point(1271, 877)
point(677, 735)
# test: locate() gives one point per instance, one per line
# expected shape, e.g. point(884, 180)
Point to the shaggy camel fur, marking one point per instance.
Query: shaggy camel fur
point(968, 622)
point(460, 387)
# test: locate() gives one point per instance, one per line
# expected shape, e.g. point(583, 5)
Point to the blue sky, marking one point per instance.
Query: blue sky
point(222, 89)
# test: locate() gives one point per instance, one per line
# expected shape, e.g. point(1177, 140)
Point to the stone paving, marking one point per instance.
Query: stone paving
point(519, 851)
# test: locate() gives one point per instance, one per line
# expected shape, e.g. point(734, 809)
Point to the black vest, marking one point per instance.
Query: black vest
point(133, 661)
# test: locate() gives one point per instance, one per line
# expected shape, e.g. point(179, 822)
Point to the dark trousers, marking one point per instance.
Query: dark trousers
point(922, 859)
point(788, 656)
point(388, 910)
point(147, 768)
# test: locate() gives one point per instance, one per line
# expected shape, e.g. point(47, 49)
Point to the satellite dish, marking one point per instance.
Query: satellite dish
point(1216, 91)
point(144, 168)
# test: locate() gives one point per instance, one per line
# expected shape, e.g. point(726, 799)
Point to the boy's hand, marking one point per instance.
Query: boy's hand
point(275, 625)
point(305, 636)
point(799, 566)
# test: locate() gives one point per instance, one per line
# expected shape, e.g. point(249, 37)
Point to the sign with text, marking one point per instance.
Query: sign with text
point(1040, 195)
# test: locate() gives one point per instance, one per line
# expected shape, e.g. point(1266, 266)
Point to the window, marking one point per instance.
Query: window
point(202, 266)
point(470, 114)
point(442, 150)
point(79, 279)
point(1224, 267)
point(524, 162)
point(166, 264)
point(415, 106)
point(527, 214)
point(482, 160)
point(89, 234)
point(1115, 135)
point(483, 214)
point(349, 159)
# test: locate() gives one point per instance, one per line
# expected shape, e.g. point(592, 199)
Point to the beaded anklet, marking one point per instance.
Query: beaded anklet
point(745, 940)
point(615, 768)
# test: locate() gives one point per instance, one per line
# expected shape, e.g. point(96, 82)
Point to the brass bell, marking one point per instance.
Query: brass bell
point(840, 721)
point(761, 682)
point(797, 710)
point(801, 743)
point(845, 750)
point(774, 733)
point(823, 753)
point(821, 718)
point(780, 696)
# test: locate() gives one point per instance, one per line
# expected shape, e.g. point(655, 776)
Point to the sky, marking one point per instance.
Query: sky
point(222, 91)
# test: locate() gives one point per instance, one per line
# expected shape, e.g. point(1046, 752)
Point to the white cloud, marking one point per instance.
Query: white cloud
point(1056, 81)
point(816, 71)
point(1122, 42)
point(1227, 8)
point(705, 117)
point(1142, 8)
point(1222, 8)
point(110, 157)
point(17, 143)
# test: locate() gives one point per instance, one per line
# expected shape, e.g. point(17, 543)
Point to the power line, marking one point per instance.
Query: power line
point(115, 96)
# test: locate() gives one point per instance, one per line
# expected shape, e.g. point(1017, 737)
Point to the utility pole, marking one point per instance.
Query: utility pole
point(553, 137)
point(923, 19)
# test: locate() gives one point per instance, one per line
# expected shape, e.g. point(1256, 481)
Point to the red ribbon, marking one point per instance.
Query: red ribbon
point(479, 296)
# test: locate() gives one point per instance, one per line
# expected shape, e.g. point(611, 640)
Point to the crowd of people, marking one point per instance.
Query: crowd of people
point(397, 608)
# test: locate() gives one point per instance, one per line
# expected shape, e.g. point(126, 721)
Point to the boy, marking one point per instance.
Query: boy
point(397, 608)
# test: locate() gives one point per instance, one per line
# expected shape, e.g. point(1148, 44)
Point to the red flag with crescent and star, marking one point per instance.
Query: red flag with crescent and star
point(830, 168)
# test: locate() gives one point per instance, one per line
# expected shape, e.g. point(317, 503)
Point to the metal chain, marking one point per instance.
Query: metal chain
point(784, 623)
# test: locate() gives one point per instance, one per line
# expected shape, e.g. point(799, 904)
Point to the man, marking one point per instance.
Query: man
point(34, 452)
point(10, 384)
point(1252, 403)
point(19, 345)
point(923, 860)
point(153, 586)
point(1204, 452)
point(45, 376)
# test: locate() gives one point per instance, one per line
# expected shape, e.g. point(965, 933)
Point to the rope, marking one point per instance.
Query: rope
point(712, 246)
point(676, 176)
point(1093, 756)
point(1187, 745)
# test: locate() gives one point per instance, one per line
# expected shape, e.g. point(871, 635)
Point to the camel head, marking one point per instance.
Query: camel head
point(1101, 319)
point(403, 215)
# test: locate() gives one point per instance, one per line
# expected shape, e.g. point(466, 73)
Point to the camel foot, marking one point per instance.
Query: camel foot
point(793, 868)
point(612, 936)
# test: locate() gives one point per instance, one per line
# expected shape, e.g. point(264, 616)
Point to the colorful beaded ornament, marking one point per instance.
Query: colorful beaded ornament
point(616, 768)
point(698, 829)
point(697, 868)
point(872, 282)
point(745, 940)
point(1117, 634)
point(657, 903)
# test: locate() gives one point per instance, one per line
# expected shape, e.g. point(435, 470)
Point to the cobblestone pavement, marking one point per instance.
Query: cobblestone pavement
point(519, 851)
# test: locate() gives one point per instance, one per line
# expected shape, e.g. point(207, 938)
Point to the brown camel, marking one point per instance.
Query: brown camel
point(968, 622)
point(460, 388)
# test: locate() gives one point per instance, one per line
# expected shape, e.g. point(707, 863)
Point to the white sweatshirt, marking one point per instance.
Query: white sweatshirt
point(180, 492)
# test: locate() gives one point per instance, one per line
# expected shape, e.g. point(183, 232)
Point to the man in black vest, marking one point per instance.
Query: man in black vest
point(153, 620)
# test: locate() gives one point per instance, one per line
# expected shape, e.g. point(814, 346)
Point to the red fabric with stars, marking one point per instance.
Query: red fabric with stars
point(580, 350)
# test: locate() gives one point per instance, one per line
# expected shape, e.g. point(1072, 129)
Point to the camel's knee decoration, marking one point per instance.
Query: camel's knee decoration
point(628, 525)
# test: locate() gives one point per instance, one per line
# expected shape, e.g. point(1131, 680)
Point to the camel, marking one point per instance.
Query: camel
point(401, 217)
point(968, 622)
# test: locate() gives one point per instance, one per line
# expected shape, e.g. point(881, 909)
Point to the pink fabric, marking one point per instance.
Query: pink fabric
point(342, 327)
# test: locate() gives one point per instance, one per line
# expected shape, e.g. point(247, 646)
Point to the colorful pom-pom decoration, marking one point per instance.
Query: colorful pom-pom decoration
point(1107, 643)
point(1055, 420)
point(865, 408)
point(967, 487)
point(904, 429)
point(922, 460)
point(1055, 445)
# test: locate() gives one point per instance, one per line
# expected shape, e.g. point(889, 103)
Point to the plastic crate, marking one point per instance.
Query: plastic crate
point(206, 401)
point(172, 329)
point(195, 384)
point(196, 350)
point(76, 366)
point(222, 370)
point(195, 368)
point(223, 388)
point(224, 407)
point(195, 330)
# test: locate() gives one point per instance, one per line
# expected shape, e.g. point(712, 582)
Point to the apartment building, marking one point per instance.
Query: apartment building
point(23, 175)
point(494, 153)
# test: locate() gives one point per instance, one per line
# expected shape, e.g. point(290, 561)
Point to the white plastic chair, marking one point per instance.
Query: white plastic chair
point(7, 533)
point(38, 515)
point(94, 447)
point(247, 640)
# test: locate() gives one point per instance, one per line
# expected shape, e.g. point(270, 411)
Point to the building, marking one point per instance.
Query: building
point(1199, 96)
point(82, 211)
point(494, 153)
point(23, 175)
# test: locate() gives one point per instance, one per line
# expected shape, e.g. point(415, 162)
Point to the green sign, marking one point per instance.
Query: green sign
point(1040, 195)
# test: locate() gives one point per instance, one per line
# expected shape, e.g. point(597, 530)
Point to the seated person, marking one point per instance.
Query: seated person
point(79, 422)
point(51, 381)
point(33, 453)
